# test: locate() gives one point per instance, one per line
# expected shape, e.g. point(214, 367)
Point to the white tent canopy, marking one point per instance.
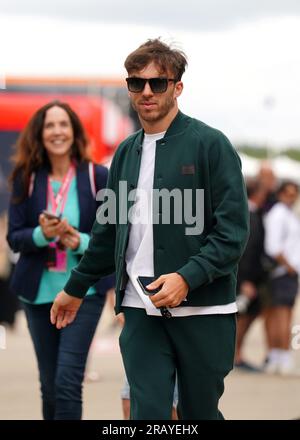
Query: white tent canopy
point(250, 165)
point(283, 167)
point(286, 168)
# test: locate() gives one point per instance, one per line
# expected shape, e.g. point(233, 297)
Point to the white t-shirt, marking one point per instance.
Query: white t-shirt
point(282, 236)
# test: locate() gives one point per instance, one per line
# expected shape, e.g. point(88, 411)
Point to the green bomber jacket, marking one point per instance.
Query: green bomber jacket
point(190, 156)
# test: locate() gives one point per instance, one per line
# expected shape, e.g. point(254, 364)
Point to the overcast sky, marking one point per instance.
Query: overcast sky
point(244, 58)
point(183, 14)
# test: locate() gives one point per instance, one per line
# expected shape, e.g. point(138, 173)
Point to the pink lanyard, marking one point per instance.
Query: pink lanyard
point(62, 194)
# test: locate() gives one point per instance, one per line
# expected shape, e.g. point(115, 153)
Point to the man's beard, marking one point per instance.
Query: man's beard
point(158, 114)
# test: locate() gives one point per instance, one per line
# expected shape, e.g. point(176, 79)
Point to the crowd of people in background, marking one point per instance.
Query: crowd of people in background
point(269, 270)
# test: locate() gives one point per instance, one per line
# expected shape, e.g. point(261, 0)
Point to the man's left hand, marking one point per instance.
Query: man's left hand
point(174, 290)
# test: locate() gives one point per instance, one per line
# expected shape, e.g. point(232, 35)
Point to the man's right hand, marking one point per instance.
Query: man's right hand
point(64, 309)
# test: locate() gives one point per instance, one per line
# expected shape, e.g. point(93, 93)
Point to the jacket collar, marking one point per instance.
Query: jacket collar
point(177, 126)
point(84, 191)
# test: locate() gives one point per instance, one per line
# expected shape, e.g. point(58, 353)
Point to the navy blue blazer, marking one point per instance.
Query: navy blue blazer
point(24, 217)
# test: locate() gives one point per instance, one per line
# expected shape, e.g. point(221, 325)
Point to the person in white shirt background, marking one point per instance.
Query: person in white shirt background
point(282, 243)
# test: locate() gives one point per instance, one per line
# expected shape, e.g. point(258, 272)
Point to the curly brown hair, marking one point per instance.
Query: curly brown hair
point(164, 56)
point(30, 153)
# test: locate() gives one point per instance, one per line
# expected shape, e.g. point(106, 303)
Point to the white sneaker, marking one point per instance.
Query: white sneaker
point(288, 369)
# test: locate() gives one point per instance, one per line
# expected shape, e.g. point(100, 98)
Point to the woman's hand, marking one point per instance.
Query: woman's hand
point(52, 227)
point(70, 238)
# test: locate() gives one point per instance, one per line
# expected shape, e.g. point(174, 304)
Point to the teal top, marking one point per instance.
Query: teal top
point(53, 282)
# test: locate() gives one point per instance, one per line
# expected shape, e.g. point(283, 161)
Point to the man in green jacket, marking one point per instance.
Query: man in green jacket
point(175, 210)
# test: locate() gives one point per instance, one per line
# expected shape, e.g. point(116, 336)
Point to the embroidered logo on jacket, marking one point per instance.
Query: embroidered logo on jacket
point(188, 169)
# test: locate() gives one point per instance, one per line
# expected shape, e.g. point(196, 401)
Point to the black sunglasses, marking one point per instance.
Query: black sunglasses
point(157, 85)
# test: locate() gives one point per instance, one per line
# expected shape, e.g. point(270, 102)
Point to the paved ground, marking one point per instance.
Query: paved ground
point(247, 396)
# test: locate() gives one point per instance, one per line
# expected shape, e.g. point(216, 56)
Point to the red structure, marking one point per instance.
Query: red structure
point(103, 121)
point(102, 105)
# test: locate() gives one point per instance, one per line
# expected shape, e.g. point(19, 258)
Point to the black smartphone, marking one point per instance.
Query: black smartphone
point(50, 216)
point(143, 282)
